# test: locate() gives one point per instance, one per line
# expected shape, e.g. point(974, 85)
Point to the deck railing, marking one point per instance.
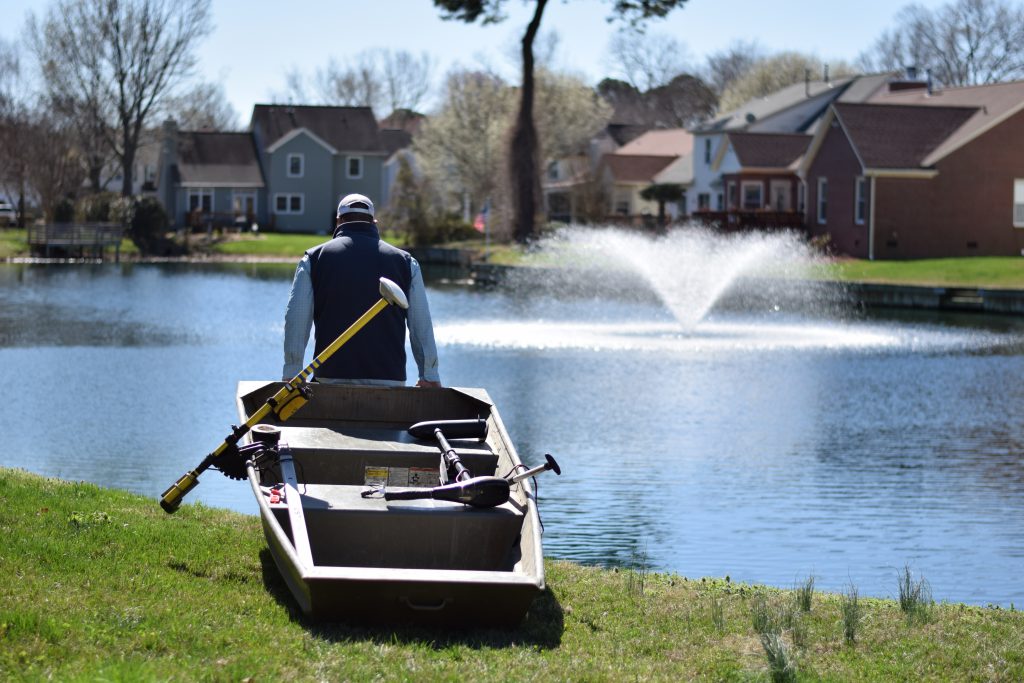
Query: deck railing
point(77, 240)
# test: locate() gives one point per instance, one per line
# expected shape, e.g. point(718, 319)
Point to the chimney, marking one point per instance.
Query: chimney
point(825, 75)
point(807, 82)
point(911, 73)
point(928, 74)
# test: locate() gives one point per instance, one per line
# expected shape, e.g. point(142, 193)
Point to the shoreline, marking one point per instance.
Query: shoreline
point(871, 295)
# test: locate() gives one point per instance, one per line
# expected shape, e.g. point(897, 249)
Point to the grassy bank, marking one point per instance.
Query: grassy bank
point(980, 271)
point(102, 585)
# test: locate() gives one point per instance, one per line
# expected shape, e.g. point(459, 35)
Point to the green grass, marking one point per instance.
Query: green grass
point(13, 243)
point(980, 271)
point(100, 584)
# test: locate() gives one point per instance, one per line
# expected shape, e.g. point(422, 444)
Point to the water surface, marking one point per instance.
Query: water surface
point(764, 445)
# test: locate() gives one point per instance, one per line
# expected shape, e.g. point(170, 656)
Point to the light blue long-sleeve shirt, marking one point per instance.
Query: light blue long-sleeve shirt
point(298, 320)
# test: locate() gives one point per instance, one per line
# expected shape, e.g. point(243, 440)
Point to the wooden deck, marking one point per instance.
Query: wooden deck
point(75, 240)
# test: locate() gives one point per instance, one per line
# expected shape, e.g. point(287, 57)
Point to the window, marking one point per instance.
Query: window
point(553, 170)
point(732, 195)
point(720, 201)
point(753, 196)
point(622, 204)
point(801, 196)
point(288, 203)
point(822, 200)
point(296, 165)
point(201, 199)
point(1018, 203)
point(860, 202)
point(682, 204)
point(354, 167)
point(703, 201)
point(707, 151)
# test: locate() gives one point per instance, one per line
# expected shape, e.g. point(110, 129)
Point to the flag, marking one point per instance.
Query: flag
point(480, 222)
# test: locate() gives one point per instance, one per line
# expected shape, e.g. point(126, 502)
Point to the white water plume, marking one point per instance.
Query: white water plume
point(690, 268)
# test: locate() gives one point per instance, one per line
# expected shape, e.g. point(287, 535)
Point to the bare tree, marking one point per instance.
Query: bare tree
point(203, 107)
point(647, 61)
point(384, 80)
point(56, 172)
point(15, 122)
point(128, 54)
point(966, 42)
point(729, 65)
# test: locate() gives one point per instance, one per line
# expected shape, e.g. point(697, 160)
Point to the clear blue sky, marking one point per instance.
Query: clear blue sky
point(255, 42)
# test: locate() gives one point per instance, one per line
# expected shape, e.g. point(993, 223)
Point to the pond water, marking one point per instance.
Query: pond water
point(762, 443)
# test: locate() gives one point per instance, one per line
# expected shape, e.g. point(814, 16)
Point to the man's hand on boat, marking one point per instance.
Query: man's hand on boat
point(428, 383)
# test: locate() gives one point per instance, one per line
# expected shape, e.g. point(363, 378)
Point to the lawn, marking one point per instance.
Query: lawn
point(979, 271)
point(100, 584)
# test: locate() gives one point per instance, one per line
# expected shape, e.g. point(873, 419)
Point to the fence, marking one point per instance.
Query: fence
point(75, 240)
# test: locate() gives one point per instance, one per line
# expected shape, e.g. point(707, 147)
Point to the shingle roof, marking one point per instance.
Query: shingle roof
point(218, 159)
point(635, 168)
point(394, 139)
point(346, 129)
point(671, 142)
point(993, 103)
point(899, 137)
point(768, 150)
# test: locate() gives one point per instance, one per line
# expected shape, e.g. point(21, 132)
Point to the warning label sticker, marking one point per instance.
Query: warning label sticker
point(375, 476)
point(422, 476)
point(398, 476)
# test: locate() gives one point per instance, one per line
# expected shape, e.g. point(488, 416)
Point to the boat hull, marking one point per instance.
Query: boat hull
point(345, 556)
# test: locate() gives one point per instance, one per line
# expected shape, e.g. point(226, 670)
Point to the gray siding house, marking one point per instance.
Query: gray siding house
point(287, 172)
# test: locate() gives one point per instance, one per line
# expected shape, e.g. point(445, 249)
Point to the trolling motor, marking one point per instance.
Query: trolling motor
point(458, 485)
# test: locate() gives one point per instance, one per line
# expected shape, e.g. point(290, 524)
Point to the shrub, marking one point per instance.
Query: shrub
point(63, 211)
point(95, 208)
point(851, 611)
point(148, 227)
point(915, 597)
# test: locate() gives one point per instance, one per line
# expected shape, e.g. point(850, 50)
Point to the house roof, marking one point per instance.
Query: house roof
point(346, 129)
point(797, 107)
point(899, 137)
point(216, 159)
point(993, 104)
point(394, 139)
point(671, 142)
point(635, 168)
point(768, 150)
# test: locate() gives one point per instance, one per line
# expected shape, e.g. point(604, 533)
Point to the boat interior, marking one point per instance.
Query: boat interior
point(349, 440)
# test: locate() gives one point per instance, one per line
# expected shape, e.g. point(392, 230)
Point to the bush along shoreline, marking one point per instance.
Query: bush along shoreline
point(100, 584)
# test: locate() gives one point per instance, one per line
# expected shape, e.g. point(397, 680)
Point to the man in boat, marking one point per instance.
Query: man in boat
point(338, 281)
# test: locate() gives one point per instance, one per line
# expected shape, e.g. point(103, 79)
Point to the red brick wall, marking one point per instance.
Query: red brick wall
point(837, 161)
point(967, 210)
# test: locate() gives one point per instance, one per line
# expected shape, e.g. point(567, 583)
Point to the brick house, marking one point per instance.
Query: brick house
point(921, 174)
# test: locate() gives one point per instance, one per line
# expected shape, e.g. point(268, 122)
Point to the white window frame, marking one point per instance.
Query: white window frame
point(703, 201)
point(707, 151)
point(348, 166)
point(242, 195)
point(860, 200)
point(732, 201)
point(288, 197)
point(1018, 202)
point(743, 194)
point(200, 192)
point(302, 165)
point(822, 200)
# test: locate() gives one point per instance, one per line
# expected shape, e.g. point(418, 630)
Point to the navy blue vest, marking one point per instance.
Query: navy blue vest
point(346, 274)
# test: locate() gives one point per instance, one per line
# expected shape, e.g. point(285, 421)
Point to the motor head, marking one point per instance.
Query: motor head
point(392, 293)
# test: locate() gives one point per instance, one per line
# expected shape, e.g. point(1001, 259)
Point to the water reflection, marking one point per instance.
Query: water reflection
point(761, 445)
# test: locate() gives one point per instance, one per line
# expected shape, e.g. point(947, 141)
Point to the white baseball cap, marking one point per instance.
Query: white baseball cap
point(355, 203)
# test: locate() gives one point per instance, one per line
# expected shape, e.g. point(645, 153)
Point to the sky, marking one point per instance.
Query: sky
point(255, 43)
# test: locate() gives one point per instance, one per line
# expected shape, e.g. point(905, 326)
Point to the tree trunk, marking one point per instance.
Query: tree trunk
point(523, 154)
point(127, 162)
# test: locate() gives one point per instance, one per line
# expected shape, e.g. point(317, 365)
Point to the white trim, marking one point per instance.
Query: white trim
point(819, 204)
point(288, 203)
point(288, 164)
point(1018, 202)
point(348, 168)
point(859, 199)
point(294, 133)
point(912, 173)
point(871, 221)
point(225, 186)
